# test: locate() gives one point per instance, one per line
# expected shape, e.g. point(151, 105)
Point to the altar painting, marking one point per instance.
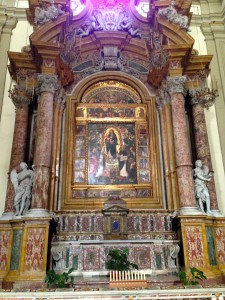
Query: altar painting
point(111, 154)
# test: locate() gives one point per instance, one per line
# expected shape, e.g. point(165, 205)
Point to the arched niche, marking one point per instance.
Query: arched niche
point(111, 146)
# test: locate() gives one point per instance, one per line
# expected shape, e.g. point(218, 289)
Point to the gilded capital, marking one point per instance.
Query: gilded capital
point(47, 83)
point(176, 84)
point(20, 96)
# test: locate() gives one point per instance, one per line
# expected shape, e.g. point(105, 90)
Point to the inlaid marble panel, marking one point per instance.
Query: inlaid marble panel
point(16, 245)
point(35, 249)
point(194, 246)
point(220, 244)
point(4, 249)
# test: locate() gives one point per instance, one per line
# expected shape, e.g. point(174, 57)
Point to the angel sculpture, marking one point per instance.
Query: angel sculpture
point(201, 176)
point(22, 183)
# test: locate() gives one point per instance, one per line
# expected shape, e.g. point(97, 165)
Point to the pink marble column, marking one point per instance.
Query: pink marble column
point(202, 148)
point(21, 99)
point(42, 155)
point(188, 204)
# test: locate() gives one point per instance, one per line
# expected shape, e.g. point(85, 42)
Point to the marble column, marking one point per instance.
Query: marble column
point(188, 204)
point(202, 147)
point(43, 144)
point(21, 99)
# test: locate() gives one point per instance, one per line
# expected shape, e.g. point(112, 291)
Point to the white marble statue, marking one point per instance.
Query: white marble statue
point(22, 183)
point(201, 176)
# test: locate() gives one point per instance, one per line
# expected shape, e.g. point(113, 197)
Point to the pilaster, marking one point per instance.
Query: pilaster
point(6, 26)
point(215, 41)
point(165, 111)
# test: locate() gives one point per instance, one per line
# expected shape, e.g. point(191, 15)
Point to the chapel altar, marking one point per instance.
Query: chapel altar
point(109, 123)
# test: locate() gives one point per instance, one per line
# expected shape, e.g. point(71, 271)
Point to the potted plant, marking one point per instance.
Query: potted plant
point(192, 277)
point(55, 280)
point(118, 260)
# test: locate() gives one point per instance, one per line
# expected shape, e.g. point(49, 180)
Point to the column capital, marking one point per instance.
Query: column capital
point(176, 84)
point(204, 97)
point(20, 96)
point(47, 83)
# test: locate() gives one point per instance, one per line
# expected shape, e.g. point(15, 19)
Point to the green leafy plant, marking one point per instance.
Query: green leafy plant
point(118, 260)
point(55, 280)
point(192, 277)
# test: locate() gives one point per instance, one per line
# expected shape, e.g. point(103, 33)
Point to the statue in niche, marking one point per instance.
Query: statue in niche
point(57, 256)
point(22, 183)
point(201, 176)
point(173, 252)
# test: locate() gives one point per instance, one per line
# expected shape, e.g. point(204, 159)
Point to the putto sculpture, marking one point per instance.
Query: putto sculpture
point(109, 19)
point(201, 176)
point(172, 15)
point(22, 183)
point(46, 13)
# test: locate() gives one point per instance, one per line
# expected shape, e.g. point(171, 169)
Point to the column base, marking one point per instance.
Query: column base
point(37, 212)
point(190, 211)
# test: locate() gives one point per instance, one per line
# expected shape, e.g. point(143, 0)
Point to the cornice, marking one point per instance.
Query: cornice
point(13, 12)
point(207, 16)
